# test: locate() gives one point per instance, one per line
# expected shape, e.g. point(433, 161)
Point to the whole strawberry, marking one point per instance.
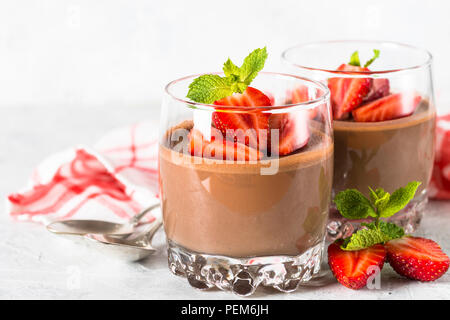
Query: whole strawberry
point(353, 268)
point(417, 258)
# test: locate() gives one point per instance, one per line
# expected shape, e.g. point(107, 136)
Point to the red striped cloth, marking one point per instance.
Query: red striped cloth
point(440, 181)
point(112, 181)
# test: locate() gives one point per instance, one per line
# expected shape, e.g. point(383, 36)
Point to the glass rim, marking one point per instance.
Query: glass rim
point(212, 107)
point(427, 61)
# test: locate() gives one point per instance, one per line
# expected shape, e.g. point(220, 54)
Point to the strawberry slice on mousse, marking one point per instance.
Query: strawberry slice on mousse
point(379, 89)
point(229, 150)
point(292, 129)
point(390, 107)
point(196, 143)
point(219, 148)
point(247, 119)
point(300, 94)
point(348, 93)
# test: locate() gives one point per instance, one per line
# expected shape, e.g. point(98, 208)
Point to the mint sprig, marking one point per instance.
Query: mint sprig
point(209, 87)
point(352, 204)
point(354, 59)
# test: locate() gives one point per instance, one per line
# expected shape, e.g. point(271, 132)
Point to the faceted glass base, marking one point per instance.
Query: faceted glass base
point(243, 275)
point(409, 218)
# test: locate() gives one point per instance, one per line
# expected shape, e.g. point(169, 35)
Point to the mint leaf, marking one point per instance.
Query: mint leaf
point(399, 199)
point(352, 204)
point(253, 63)
point(390, 230)
point(231, 70)
point(379, 198)
point(237, 86)
point(354, 59)
point(209, 88)
point(364, 238)
point(375, 56)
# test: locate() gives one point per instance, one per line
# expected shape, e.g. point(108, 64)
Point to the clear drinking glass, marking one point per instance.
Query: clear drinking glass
point(239, 214)
point(386, 154)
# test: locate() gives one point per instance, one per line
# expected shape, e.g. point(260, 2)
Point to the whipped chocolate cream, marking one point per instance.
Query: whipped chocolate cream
point(386, 154)
point(233, 210)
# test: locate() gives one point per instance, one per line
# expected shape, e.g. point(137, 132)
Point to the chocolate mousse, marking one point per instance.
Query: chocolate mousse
point(386, 154)
point(232, 209)
point(384, 133)
point(245, 181)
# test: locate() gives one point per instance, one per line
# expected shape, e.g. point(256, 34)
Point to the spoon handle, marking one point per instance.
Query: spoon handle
point(157, 224)
point(135, 220)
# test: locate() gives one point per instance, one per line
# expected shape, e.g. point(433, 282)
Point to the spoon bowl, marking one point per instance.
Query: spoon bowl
point(133, 247)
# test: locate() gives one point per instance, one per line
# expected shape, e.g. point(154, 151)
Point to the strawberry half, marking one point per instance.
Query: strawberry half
point(393, 106)
point(348, 93)
point(230, 119)
point(417, 258)
point(351, 268)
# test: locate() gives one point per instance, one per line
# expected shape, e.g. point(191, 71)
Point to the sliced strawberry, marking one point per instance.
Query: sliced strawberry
point(379, 89)
point(300, 94)
point(231, 119)
point(250, 98)
point(196, 142)
point(293, 131)
point(242, 127)
point(417, 258)
point(271, 98)
point(352, 268)
point(229, 150)
point(390, 107)
point(348, 93)
point(219, 148)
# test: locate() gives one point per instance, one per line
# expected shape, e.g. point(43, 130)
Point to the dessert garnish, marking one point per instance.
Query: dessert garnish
point(367, 99)
point(413, 257)
point(350, 267)
point(221, 148)
point(348, 93)
point(238, 117)
point(393, 106)
point(210, 88)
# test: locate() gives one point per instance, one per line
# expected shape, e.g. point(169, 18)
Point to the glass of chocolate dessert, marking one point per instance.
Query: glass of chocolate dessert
point(383, 118)
point(245, 178)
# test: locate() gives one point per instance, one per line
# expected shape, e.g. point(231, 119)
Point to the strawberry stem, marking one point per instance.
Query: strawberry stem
point(377, 220)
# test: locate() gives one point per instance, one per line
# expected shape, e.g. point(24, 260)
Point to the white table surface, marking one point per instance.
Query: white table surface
point(36, 264)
